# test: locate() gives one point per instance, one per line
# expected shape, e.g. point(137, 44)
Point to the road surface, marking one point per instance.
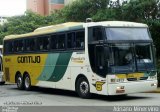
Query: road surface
point(11, 96)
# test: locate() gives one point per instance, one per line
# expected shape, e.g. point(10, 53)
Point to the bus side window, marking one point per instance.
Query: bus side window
point(20, 45)
point(15, 46)
point(61, 41)
point(95, 34)
point(80, 39)
point(70, 40)
point(45, 43)
point(8, 47)
point(40, 43)
point(53, 40)
point(30, 44)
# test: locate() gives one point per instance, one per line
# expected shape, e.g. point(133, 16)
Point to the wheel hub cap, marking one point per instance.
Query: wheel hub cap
point(84, 87)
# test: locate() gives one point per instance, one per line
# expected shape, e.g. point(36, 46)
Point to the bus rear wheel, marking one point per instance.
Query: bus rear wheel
point(19, 82)
point(27, 82)
point(83, 88)
point(2, 83)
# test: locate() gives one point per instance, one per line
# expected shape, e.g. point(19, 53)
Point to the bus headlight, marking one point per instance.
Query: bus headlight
point(153, 84)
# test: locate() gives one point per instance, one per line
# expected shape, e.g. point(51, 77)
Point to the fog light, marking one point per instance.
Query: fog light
point(120, 89)
point(154, 84)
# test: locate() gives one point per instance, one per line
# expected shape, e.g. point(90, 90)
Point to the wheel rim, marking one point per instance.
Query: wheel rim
point(19, 82)
point(27, 82)
point(84, 88)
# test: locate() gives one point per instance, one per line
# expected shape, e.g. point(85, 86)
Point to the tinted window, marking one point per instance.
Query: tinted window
point(127, 34)
point(71, 40)
point(30, 44)
point(79, 42)
point(43, 43)
point(53, 42)
point(8, 46)
point(58, 41)
point(95, 34)
point(18, 46)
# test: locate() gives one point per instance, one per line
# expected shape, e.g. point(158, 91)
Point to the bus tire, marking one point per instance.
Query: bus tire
point(2, 83)
point(27, 82)
point(19, 82)
point(83, 88)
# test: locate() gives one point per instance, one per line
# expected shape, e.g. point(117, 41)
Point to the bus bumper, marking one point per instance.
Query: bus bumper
point(132, 87)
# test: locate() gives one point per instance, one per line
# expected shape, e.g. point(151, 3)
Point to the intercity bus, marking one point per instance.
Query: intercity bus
point(106, 58)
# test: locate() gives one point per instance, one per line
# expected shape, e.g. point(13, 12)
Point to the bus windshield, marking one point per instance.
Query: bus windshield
point(127, 34)
point(127, 58)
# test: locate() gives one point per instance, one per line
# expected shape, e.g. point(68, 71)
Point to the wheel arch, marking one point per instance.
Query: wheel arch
point(79, 76)
point(25, 73)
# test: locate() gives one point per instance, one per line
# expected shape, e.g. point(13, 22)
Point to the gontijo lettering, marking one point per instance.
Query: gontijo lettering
point(28, 59)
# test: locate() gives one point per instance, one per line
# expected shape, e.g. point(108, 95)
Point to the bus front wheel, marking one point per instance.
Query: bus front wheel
point(27, 82)
point(83, 88)
point(19, 81)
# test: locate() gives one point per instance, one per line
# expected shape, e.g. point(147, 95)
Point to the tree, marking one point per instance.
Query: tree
point(21, 24)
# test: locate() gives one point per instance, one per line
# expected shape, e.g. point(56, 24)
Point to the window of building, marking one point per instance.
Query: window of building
point(57, 1)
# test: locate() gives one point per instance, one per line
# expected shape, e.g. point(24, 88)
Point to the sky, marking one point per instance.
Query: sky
point(12, 7)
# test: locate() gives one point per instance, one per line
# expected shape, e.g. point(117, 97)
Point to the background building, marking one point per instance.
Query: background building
point(66, 2)
point(55, 5)
point(45, 7)
point(2, 20)
point(38, 6)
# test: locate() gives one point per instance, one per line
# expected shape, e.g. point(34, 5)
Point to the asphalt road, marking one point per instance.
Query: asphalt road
point(11, 96)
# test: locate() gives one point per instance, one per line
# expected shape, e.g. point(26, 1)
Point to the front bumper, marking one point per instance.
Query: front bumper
point(132, 87)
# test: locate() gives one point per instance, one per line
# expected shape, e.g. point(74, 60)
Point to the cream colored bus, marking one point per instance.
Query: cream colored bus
point(107, 58)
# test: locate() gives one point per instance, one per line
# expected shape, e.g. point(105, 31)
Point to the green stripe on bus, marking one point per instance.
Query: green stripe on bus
point(61, 67)
point(49, 67)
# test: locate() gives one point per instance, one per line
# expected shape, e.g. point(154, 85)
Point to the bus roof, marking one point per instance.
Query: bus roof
point(49, 29)
point(116, 24)
point(73, 26)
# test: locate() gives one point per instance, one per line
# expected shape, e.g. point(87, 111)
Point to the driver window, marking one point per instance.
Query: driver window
point(97, 33)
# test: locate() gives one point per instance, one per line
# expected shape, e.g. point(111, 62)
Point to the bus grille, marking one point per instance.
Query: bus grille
point(135, 79)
